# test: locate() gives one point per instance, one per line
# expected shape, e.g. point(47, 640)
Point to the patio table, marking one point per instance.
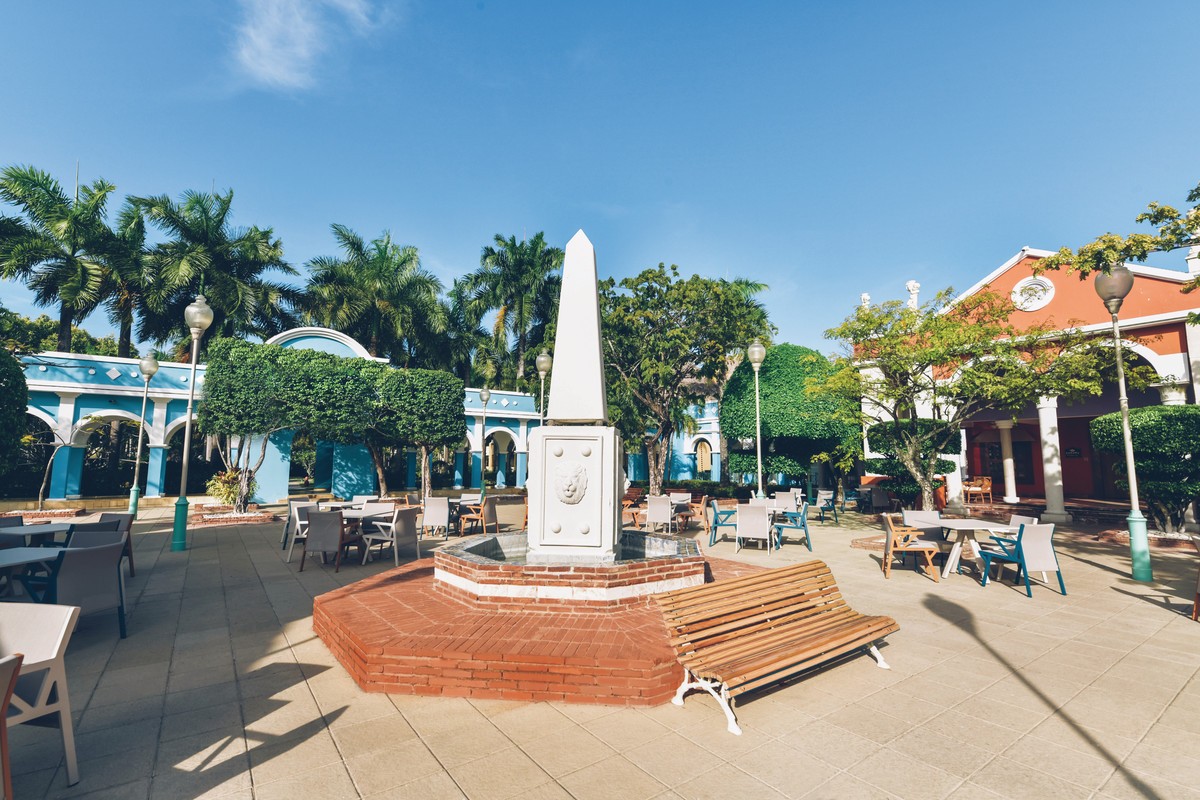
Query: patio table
point(967, 529)
point(21, 535)
point(24, 556)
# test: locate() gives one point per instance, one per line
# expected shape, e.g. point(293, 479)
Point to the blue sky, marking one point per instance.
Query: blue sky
point(825, 148)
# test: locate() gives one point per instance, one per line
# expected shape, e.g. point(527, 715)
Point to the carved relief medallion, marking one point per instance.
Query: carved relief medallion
point(570, 482)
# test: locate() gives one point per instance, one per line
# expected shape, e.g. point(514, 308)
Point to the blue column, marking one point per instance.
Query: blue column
point(323, 469)
point(476, 470)
point(715, 472)
point(156, 471)
point(501, 469)
point(353, 471)
point(460, 466)
point(410, 468)
point(522, 468)
point(272, 476)
point(66, 473)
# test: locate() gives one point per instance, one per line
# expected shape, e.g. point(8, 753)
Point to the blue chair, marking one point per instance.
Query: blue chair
point(1031, 551)
point(721, 519)
point(850, 496)
point(825, 502)
point(796, 521)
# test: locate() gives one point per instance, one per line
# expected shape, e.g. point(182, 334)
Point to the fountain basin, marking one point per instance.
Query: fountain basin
point(492, 570)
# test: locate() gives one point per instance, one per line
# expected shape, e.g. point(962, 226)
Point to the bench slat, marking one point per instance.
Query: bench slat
point(736, 647)
point(802, 617)
point(731, 605)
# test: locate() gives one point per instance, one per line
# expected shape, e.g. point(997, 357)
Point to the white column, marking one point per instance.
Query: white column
point(1192, 337)
point(64, 426)
point(1010, 472)
point(954, 481)
point(1056, 511)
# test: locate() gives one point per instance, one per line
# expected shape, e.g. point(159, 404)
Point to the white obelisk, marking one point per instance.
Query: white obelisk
point(574, 462)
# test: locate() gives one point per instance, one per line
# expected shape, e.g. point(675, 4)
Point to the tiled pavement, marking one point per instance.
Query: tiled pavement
point(221, 690)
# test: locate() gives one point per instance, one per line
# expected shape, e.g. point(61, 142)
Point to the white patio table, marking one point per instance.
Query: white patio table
point(967, 529)
point(25, 534)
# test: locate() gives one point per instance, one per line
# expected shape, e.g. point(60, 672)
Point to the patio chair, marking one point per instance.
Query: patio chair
point(683, 519)
point(720, 519)
point(825, 502)
point(796, 521)
point(1031, 551)
point(754, 522)
point(900, 540)
point(980, 489)
point(88, 577)
point(1196, 601)
point(850, 496)
point(10, 670)
point(328, 533)
point(881, 501)
point(660, 510)
point(382, 508)
point(359, 499)
point(402, 527)
point(41, 632)
point(929, 523)
point(126, 526)
point(436, 514)
point(298, 522)
point(760, 501)
point(84, 537)
point(12, 521)
point(482, 514)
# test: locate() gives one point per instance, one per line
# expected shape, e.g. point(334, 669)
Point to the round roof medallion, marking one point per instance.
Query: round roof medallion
point(1033, 293)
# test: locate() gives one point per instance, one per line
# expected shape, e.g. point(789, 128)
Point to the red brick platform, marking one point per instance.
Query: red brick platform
point(400, 632)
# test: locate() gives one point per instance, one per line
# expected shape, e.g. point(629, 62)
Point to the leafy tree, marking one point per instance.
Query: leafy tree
point(799, 421)
point(520, 281)
point(123, 290)
point(666, 342)
point(22, 335)
point(205, 254)
point(378, 293)
point(454, 347)
point(949, 360)
point(1166, 447)
point(424, 408)
point(14, 398)
point(1173, 230)
point(57, 247)
point(889, 439)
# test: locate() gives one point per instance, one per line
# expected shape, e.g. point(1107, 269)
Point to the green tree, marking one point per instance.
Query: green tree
point(799, 420)
point(57, 246)
point(520, 281)
point(667, 342)
point(205, 254)
point(949, 360)
point(889, 439)
point(453, 349)
point(1174, 229)
point(378, 293)
point(425, 409)
point(14, 398)
point(123, 290)
point(22, 335)
point(1166, 446)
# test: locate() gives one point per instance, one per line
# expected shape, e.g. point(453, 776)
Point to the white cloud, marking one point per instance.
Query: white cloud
point(280, 42)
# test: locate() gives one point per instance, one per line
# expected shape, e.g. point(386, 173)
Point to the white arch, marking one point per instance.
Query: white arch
point(89, 424)
point(50, 421)
point(322, 333)
point(170, 430)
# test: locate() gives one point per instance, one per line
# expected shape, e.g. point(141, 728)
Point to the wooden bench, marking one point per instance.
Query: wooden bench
point(736, 635)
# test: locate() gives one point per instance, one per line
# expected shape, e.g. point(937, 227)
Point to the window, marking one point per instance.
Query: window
point(703, 456)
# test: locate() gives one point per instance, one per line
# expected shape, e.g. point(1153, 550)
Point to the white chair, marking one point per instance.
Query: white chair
point(327, 534)
point(797, 499)
point(1031, 551)
point(41, 632)
point(298, 523)
point(660, 511)
point(401, 528)
point(754, 522)
point(359, 499)
point(929, 523)
point(470, 499)
point(381, 509)
point(10, 670)
point(760, 501)
point(436, 514)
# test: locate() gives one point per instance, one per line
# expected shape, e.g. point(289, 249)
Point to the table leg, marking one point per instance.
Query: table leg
point(952, 559)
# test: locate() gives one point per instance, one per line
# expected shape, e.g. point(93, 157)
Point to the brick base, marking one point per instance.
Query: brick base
point(400, 632)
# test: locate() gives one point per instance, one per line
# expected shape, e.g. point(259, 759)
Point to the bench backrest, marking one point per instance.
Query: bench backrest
point(800, 595)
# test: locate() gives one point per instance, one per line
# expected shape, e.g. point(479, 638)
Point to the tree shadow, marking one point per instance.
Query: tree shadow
point(962, 618)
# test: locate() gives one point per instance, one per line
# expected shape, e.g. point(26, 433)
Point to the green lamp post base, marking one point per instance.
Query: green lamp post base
point(1139, 547)
point(134, 494)
point(179, 533)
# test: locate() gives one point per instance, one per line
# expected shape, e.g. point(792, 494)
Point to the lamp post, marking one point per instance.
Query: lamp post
point(148, 366)
point(197, 316)
point(484, 396)
point(1112, 289)
point(756, 353)
point(543, 367)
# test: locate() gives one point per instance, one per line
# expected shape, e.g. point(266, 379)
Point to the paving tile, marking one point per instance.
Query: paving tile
point(567, 751)
point(329, 782)
point(625, 729)
point(830, 743)
point(725, 781)
point(615, 776)
point(384, 769)
point(1089, 771)
point(436, 786)
point(845, 786)
point(869, 723)
point(499, 775)
point(898, 774)
point(785, 769)
point(670, 759)
point(1014, 779)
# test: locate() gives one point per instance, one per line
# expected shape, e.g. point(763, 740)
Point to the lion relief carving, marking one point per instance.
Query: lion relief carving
point(570, 482)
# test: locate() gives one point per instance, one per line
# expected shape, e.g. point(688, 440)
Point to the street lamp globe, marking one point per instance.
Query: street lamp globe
point(544, 361)
point(1114, 286)
point(484, 395)
point(148, 366)
point(756, 353)
point(198, 315)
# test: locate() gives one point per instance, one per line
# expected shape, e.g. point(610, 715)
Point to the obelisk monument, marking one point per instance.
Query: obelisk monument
point(575, 472)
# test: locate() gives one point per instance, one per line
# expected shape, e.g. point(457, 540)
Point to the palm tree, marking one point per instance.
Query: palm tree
point(519, 281)
point(57, 249)
point(124, 288)
point(378, 293)
point(454, 349)
point(206, 255)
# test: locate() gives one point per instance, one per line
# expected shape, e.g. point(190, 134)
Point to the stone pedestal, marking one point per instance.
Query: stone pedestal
point(574, 504)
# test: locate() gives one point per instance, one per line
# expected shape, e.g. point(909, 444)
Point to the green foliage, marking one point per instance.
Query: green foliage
point(1166, 447)
point(21, 334)
point(891, 438)
point(667, 344)
point(956, 357)
point(799, 419)
point(14, 397)
point(224, 486)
